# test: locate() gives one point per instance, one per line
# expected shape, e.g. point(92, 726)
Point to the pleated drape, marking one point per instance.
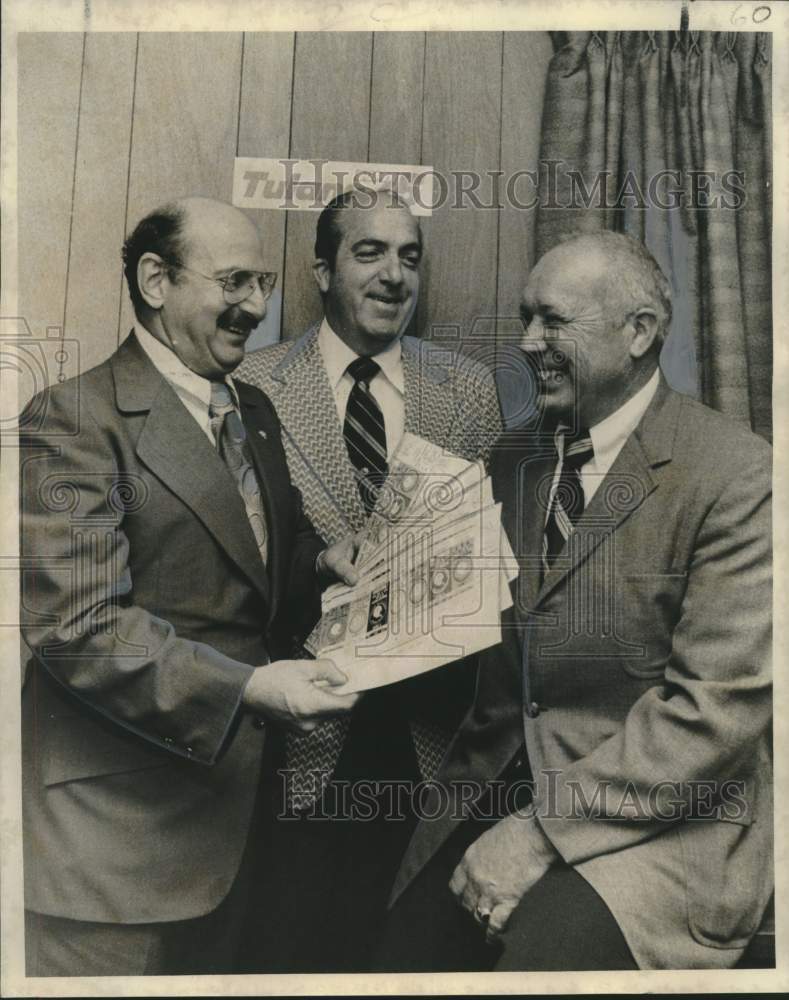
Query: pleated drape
point(667, 136)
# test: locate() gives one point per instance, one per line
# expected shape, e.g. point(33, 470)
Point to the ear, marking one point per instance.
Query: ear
point(152, 279)
point(322, 274)
point(645, 335)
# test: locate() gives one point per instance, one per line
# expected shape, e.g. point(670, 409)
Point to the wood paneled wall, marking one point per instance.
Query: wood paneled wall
point(112, 124)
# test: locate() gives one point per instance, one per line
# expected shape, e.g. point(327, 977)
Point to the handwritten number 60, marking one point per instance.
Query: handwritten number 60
point(758, 16)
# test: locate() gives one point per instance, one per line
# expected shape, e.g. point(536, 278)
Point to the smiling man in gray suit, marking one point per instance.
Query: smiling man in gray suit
point(167, 568)
point(345, 392)
point(610, 792)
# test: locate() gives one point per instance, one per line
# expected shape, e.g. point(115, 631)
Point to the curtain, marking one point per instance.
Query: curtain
point(675, 130)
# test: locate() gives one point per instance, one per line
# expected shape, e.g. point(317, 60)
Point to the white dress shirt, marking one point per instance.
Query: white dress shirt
point(192, 389)
point(388, 386)
point(608, 439)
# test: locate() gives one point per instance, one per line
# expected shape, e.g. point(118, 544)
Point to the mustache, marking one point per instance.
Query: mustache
point(238, 318)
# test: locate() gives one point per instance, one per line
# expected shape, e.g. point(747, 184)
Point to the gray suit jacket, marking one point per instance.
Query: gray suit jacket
point(147, 605)
point(450, 399)
point(638, 674)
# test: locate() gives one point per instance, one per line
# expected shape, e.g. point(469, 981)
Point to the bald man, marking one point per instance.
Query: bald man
point(614, 774)
point(169, 567)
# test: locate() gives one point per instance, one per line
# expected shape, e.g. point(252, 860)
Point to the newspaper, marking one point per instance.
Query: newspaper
point(435, 569)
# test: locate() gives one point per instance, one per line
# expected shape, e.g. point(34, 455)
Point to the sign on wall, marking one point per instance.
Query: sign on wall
point(308, 185)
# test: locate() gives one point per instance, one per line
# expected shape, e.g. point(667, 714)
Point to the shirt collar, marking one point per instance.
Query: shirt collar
point(174, 370)
point(337, 356)
point(610, 434)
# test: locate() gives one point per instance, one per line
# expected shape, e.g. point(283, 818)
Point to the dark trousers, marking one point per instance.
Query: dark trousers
point(561, 924)
point(56, 946)
point(323, 879)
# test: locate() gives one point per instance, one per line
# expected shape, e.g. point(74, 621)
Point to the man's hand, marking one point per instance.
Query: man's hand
point(336, 562)
point(297, 693)
point(499, 868)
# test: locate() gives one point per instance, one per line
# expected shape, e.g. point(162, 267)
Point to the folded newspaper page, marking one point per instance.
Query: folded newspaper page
point(435, 569)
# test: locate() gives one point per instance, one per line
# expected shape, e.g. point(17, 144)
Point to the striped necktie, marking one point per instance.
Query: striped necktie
point(231, 440)
point(567, 503)
point(365, 432)
point(311, 759)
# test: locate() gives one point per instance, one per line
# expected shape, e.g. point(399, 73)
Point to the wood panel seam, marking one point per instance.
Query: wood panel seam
point(290, 154)
point(498, 209)
point(240, 91)
point(370, 94)
point(73, 183)
point(128, 172)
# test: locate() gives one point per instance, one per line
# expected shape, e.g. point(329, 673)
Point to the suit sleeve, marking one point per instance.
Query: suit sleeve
point(703, 723)
point(303, 601)
point(78, 611)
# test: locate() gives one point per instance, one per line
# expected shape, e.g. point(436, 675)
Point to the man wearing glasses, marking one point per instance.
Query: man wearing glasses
point(168, 569)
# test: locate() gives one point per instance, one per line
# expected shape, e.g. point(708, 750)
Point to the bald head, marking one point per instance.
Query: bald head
point(177, 262)
point(176, 229)
point(622, 269)
point(596, 309)
point(209, 224)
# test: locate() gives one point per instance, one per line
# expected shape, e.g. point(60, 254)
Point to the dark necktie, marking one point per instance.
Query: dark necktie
point(365, 432)
point(231, 440)
point(568, 499)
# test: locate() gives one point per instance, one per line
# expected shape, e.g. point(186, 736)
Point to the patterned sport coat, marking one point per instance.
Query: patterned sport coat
point(450, 399)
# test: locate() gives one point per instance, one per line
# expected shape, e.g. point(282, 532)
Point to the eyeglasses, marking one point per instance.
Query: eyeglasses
point(239, 285)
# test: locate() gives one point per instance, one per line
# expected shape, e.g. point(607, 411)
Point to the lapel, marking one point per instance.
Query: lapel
point(519, 463)
point(179, 454)
point(628, 483)
point(427, 394)
point(306, 406)
point(261, 438)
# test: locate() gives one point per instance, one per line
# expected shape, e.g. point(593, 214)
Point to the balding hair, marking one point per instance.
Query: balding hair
point(328, 234)
point(634, 278)
point(162, 232)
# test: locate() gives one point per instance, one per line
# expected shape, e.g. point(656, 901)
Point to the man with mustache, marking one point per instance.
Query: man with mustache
point(345, 393)
point(168, 565)
point(610, 791)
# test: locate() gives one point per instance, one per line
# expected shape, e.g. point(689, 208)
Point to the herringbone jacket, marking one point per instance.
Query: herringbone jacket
point(450, 399)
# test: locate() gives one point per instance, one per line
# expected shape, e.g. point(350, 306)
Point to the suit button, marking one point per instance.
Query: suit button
point(168, 740)
point(534, 710)
point(259, 723)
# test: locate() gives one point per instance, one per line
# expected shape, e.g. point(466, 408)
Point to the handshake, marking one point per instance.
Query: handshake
point(297, 693)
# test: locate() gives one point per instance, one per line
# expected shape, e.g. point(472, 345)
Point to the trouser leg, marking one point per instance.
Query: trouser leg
point(562, 924)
